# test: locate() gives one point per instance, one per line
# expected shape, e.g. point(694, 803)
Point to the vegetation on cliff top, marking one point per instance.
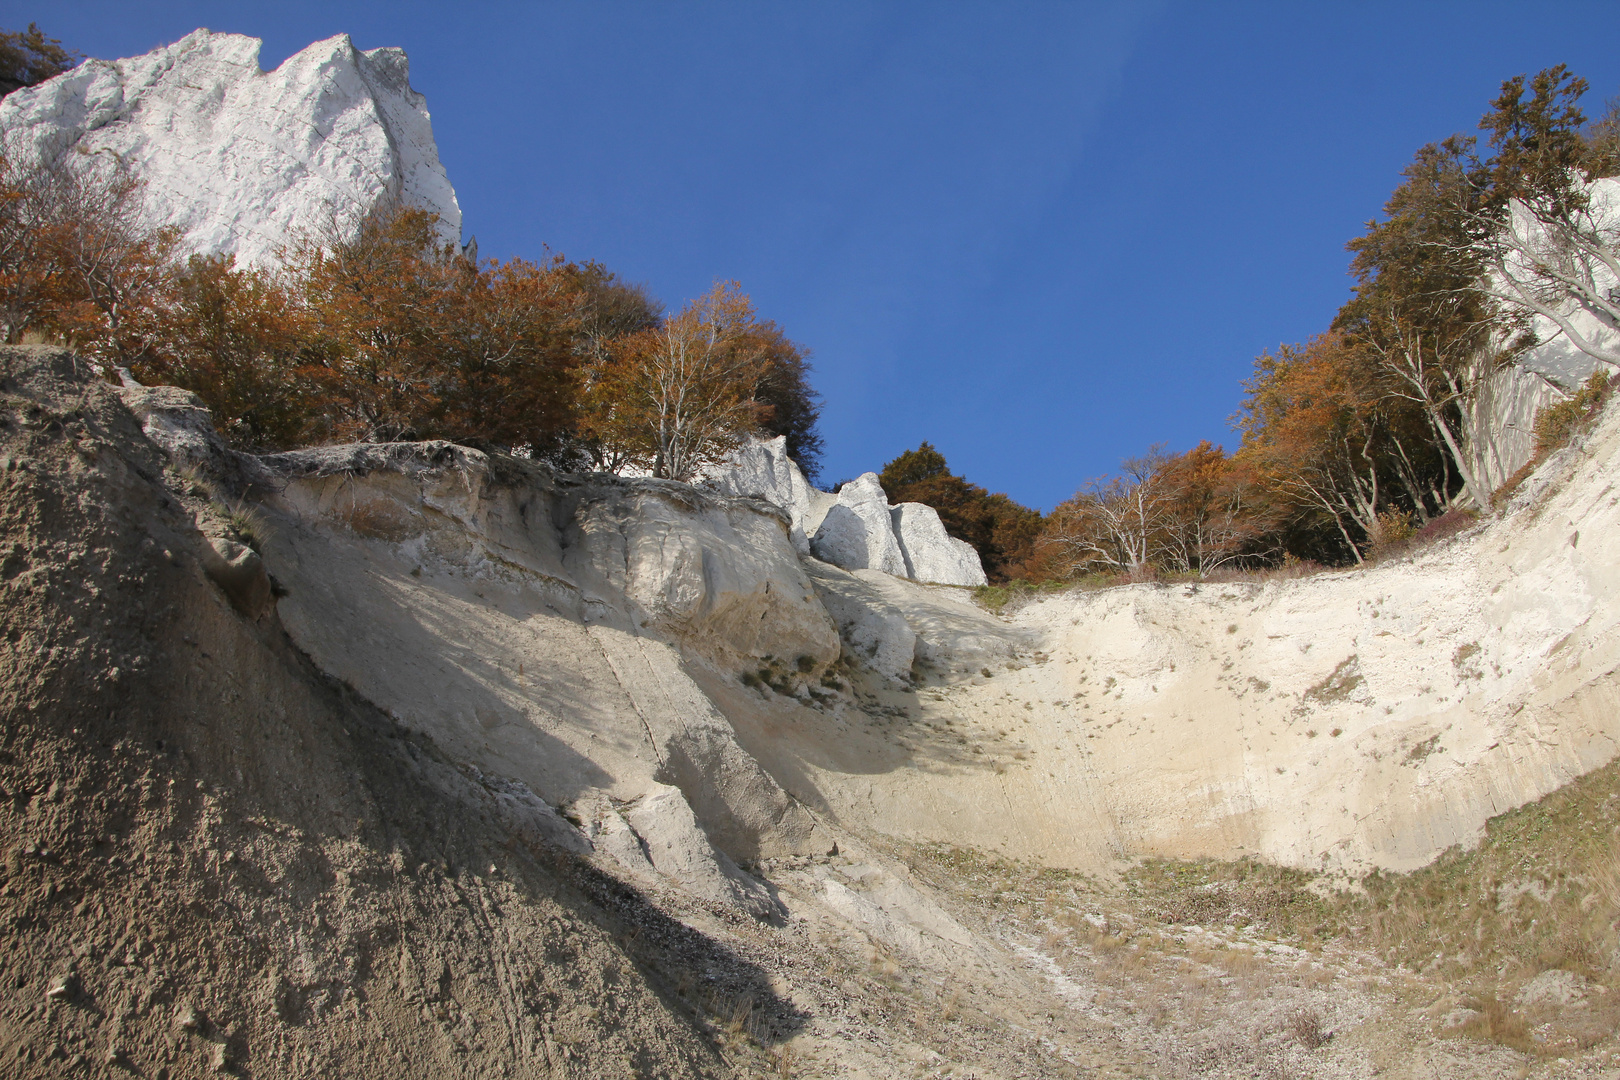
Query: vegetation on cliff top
point(1353, 443)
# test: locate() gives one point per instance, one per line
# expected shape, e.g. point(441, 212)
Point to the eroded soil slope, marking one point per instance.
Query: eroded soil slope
point(217, 857)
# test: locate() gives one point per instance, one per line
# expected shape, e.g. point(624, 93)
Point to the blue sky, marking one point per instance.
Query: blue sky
point(1041, 236)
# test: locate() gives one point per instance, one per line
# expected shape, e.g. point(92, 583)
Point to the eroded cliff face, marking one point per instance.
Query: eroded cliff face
point(220, 860)
point(544, 628)
point(407, 760)
point(598, 637)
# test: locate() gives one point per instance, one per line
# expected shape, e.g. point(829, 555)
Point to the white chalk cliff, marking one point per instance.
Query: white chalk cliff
point(855, 529)
point(245, 161)
point(1501, 419)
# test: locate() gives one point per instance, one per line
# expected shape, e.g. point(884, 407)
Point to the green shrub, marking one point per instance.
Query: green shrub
point(1557, 424)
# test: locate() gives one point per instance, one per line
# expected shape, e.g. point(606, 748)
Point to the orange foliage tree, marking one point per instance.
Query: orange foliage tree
point(411, 340)
point(682, 395)
point(237, 338)
point(77, 262)
point(1215, 510)
point(390, 334)
point(1189, 513)
point(1328, 432)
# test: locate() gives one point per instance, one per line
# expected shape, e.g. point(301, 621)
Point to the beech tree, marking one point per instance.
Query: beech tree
point(1214, 510)
point(789, 406)
point(1115, 522)
point(375, 302)
point(683, 395)
point(1420, 315)
point(1546, 244)
point(78, 263)
point(110, 265)
point(412, 340)
point(26, 271)
point(507, 353)
point(1313, 420)
point(236, 337)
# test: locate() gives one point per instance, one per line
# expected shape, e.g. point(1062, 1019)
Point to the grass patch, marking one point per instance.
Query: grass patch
point(996, 598)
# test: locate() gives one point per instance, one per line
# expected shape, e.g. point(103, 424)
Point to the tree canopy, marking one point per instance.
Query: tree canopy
point(28, 58)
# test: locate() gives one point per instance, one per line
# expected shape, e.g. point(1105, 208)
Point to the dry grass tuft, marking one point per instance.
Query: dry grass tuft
point(1307, 1028)
point(1499, 1024)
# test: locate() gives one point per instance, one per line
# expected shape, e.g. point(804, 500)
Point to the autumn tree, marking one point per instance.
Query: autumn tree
point(236, 337)
point(376, 302)
point(1117, 523)
point(1214, 511)
point(412, 340)
point(111, 266)
point(506, 353)
point(1318, 422)
point(612, 311)
point(27, 274)
point(1548, 245)
point(789, 406)
point(682, 395)
point(1420, 316)
point(78, 262)
point(28, 58)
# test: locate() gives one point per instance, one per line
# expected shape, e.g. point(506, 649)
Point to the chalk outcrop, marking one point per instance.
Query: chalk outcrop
point(855, 529)
point(1499, 423)
point(858, 533)
point(762, 469)
point(245, 161)
point(932, 554)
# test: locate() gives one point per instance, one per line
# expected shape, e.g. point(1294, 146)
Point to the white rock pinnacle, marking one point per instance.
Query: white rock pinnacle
point(242, 160)
point(856, 529)
point(858, 533)
point(930, 552)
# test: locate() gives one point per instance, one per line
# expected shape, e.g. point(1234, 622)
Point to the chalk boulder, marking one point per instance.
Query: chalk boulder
point(930, 553)
point(244, 161)
point(679, 850)
point(858, 533)
point(856, 529)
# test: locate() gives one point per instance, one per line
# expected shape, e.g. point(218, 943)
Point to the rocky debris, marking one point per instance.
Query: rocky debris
point(932, 554)
point(875, 630)
point(530, 817)
point(180, 424)
point(240, 574)
point(678, 849)
point(219, 822)
point(900, 629)
point(1555, 988)
point(611, 835)
point(578, 607)
point(244, 161)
